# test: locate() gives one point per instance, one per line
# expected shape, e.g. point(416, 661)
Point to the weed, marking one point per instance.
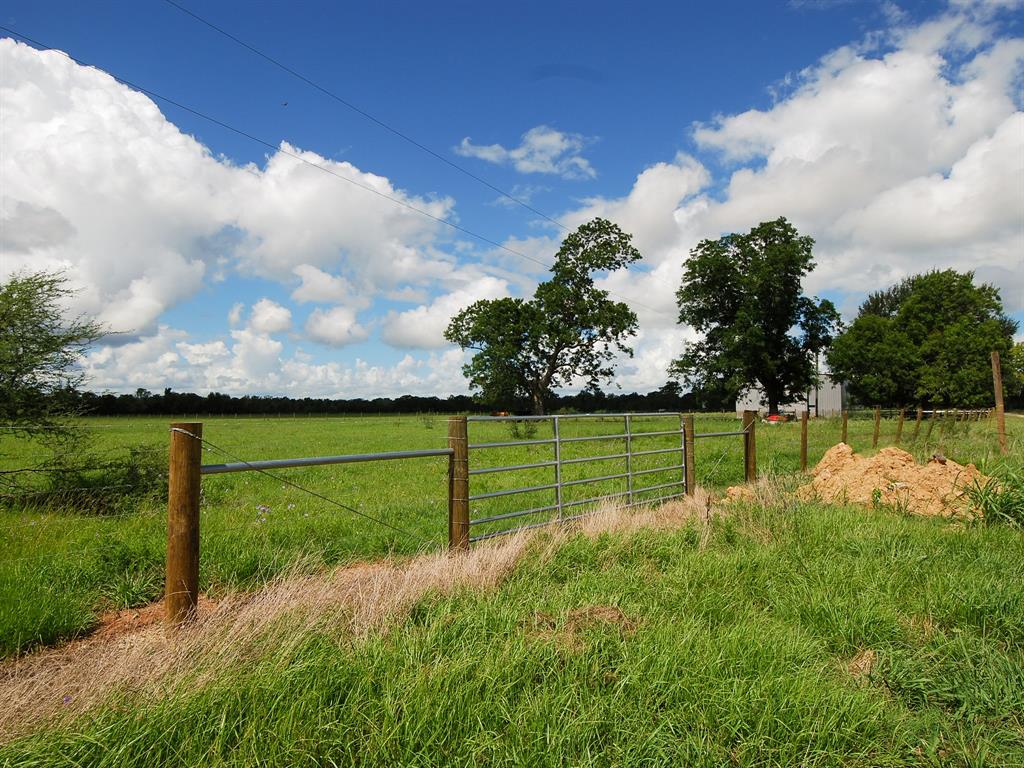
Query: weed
point(525, 429)
point(134, 587)
point(1000, 499)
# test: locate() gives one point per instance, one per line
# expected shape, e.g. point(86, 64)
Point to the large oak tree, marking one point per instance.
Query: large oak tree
point(742, 293)
point(569, 331)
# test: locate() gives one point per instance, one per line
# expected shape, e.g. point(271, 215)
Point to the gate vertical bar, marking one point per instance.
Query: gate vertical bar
point(558, 464)
point(184, 483)
point(629, 459)
point(458, 485)
point(689, 465)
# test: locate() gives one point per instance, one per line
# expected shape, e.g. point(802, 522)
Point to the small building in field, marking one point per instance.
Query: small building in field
point(829, 398)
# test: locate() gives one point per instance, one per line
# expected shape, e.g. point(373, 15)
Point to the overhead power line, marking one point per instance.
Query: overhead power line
point(300, 158)
point(372, 118)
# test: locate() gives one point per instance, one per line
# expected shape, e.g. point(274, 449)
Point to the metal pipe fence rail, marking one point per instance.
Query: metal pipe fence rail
point(638, 484)
point(185, 472)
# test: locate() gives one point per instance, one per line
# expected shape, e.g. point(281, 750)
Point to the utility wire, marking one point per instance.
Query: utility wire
point(300, 158)
point(362, 112)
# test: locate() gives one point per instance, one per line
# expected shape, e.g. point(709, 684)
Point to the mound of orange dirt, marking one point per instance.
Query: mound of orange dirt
point(891, 477)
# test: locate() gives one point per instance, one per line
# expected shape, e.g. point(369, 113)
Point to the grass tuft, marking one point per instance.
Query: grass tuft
point(1000, 499)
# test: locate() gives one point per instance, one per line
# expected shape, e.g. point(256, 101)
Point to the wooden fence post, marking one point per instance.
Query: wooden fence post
point(899, 425)
point(750, 446)
point(691, 464)
point(458, 485)
point(878, 423)
point(997, 385)
point(184, 481)
point(917, 424)
point(846, 422)
point(803, 441)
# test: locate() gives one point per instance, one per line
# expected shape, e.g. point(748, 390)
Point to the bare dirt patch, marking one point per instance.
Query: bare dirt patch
point(599, 616)
point(568, 633)
point(114, 624)
point(861, 665)
point(891, 478)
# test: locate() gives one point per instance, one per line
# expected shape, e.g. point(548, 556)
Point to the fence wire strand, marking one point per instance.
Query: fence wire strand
point(309, 491)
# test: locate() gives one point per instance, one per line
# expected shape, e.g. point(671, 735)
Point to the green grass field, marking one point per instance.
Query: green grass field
point(790, 634)
point(60, 568)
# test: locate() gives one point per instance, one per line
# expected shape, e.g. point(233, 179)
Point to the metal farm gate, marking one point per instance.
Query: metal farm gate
point(556, 491)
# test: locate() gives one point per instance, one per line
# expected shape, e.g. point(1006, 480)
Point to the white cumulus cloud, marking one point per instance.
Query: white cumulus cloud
point(269, 317)
point(423, 327)
point(336, 327)
point(541, 150)
point(97, 182)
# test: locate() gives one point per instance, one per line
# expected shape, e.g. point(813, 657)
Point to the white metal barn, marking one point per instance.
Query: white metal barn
point(828, 399)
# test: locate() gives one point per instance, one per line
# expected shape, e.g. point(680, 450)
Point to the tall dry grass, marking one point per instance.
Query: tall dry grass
point(349, 604)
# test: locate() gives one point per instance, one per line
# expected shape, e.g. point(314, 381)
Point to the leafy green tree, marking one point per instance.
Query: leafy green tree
point(931, 344)
point(886, 303)
point(39, 352)
point(743, 293)
point(877, 360)
point(569, 330)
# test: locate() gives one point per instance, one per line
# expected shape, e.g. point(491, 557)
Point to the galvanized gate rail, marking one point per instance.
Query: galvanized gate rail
point(184, 486)
point(462, 521)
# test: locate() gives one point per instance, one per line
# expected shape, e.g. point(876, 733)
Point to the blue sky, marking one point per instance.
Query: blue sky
point(889, 132)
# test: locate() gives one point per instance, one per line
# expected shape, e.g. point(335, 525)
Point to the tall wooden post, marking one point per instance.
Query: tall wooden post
point(997, 385)
point(750, 446)
point(458, 485)
point(878, 423)
point(899, 425)
point(803, 441)
point(184, 480)
point(846, 423)
point(688, 458)
point(917, 424)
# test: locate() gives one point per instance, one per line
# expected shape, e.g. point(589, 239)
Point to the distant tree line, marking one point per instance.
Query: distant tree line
point(145, 403)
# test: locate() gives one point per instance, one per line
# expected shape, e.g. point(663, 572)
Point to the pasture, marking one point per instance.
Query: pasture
point(61, 567)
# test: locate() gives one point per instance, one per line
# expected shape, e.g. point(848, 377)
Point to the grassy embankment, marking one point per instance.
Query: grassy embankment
point(59, 568)
point(777, 634)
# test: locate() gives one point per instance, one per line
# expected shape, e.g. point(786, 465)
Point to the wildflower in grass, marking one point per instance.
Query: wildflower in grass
point(67, 698)
point(263, 508)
